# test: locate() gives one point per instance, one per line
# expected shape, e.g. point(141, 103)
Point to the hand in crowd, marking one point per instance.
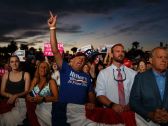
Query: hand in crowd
point(159, 116)
point(90, 106)
point(30, 98)
point(52, 20)
point(37, 99)
point(126, 108)
point(118, 108)
point(12, 99)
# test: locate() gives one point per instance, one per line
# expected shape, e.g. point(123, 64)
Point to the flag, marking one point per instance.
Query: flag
point(77, 115)
point(63, 114)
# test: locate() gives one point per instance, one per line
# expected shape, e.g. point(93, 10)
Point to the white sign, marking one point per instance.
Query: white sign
point(84, 48)
point(20, 54)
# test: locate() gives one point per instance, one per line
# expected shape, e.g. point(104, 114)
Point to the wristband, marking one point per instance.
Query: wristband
point(52, 28)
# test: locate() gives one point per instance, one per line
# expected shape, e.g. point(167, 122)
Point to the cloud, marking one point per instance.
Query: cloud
point(140, 25)
point(69, 29)
point(27, 19)
point(29, 16)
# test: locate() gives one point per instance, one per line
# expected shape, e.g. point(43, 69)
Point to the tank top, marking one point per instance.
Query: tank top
point(15, 87)
point(45, 91)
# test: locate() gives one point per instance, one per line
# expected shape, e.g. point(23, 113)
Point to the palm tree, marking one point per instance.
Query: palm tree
point(135, 45)
point(24, 47)
point(74, 49)
point(12, 47)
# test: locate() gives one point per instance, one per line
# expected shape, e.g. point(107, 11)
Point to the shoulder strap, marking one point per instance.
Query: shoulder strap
point(23, 75)
point(8, 76)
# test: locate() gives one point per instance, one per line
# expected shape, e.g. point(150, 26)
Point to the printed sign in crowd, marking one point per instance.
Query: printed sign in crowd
point(84, 48)
point(20, 54)
point(2, 71)
point(48, 50)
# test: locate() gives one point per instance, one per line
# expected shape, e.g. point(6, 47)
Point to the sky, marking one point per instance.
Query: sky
point(84, 22)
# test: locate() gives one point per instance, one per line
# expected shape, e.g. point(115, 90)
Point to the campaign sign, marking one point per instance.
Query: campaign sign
point(84, 48)
point(48, 50)
point(20, 54)
point(2, 71)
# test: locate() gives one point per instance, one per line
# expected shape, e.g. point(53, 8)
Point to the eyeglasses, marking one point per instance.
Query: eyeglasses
point(123, 77)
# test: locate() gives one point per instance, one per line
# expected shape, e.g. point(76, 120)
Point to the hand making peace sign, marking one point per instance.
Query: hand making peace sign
point(52, 20)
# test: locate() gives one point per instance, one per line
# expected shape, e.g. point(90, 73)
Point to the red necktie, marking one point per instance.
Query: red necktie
point(121, 88)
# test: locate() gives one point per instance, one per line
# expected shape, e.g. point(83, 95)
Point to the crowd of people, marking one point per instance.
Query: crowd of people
point(35, 95)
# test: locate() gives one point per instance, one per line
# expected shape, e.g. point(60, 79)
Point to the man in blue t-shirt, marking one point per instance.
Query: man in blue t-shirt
point(76, 86)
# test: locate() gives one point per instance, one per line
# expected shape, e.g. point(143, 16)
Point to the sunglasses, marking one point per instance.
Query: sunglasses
point(123, 78)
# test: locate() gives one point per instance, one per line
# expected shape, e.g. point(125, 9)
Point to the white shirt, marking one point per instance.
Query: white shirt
point(106, 84)
point(56, 76)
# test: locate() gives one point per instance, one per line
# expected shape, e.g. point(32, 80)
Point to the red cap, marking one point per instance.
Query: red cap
point(128, 63)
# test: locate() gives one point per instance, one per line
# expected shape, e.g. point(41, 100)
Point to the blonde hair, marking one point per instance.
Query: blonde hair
point(118, 44)
point(48, 74)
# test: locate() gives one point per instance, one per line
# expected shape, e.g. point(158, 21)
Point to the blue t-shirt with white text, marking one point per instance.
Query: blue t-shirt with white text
point(74, 86)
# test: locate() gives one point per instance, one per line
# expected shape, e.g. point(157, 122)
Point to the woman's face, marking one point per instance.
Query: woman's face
point(96, 61)
point(100, 67)
point(86, 68)
point(54, 66)
point(14, 63)
point(142, 66)
point(43, 69)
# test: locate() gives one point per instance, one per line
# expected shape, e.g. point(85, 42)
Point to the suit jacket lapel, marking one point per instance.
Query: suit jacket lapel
point(155, 87)
point(166, 88)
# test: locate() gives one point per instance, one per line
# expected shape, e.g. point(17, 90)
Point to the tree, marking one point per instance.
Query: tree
point(24, 47)
point(134, 53)
point(12, 47)
point(74, 49)
point(135, 45)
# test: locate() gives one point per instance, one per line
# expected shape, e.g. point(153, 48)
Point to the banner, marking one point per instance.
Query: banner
point(48, 50)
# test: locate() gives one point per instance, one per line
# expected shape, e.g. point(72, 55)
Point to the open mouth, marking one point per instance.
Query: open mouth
point(79, 63)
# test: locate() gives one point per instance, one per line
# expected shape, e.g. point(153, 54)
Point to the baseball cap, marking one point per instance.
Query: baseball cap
point(90, 53)
point(78, 54)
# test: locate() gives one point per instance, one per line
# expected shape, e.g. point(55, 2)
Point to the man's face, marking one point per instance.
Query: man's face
point(118, 54)
point(78, 62)
point(160, 60)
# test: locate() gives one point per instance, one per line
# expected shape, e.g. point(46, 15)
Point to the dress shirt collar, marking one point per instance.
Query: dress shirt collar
point(115, 67)
point(159, 74)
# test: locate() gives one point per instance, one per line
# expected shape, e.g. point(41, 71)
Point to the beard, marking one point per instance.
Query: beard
point(119, 59)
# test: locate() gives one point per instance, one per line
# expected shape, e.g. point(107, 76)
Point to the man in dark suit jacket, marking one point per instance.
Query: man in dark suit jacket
point(149, 93)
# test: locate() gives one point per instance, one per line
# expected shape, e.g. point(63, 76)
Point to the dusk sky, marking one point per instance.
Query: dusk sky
point(83, 22)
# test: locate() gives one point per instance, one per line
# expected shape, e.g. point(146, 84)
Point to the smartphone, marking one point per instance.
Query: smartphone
point(32, 93)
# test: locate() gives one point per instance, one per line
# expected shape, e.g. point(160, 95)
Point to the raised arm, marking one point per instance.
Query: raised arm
point(53, 40)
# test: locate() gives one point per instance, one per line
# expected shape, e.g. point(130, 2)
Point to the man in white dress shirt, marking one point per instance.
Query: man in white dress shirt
point(107, 89)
